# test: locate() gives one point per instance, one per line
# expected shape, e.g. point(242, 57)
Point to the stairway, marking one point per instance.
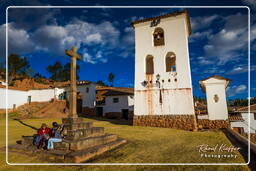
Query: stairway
point(55, 109)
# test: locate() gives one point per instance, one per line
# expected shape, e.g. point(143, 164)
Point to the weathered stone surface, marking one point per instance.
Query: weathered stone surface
point(84, 155)
point(91, 141)
point(89, 132)
point(27, 140)
point(213, 124)
point(185, 122)
point(71, 120)
point(77, 126)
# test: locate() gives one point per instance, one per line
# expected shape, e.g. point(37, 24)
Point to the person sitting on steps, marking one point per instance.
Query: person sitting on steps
point(42, 136)
point(56, 135)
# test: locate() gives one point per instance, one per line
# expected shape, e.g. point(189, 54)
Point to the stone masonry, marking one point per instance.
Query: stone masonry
point(185, 122)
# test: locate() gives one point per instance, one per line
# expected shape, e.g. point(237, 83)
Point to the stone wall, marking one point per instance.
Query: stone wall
point(185, 122)
point(212, 124)
point(89, 111)
point(113, 115)
point(252, 137)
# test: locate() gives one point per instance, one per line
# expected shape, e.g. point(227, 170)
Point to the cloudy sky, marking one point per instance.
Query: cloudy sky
point(218, 44)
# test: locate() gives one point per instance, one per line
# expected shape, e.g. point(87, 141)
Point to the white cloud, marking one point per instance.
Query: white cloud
point(88, 58)
point(199, 35)
point(198, 23)
point(230, 42)
point(204, 61)
point(235, 90)
point(18, 40)
point(213, 70)
point(241, 69)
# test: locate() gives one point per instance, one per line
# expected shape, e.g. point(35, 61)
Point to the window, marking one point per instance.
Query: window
point(170, 62)
point(158, 36)
point(87, 89)
point(29, 99)
point(254, 116)
point(149, 65)
point(115, 100)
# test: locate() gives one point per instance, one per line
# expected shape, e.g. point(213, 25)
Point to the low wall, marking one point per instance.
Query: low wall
point(241, 139)
point(185, 122)
point(212, 124)
point(89, 111)
point(252, 137)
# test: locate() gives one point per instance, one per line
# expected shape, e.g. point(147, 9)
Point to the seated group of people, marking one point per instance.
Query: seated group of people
point(47, 136)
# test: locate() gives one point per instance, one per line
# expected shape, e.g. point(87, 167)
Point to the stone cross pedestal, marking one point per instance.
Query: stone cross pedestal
point(82, 141)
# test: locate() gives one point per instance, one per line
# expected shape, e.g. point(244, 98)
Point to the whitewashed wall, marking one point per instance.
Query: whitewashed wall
point(176, 41)
point(42, 95)
point(16, 97)
point(89, 99)
point(19, 97)
point(216, 110)
point(125, 102)
point(245, 123)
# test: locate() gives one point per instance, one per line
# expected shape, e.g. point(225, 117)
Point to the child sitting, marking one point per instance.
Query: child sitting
point(42, 135)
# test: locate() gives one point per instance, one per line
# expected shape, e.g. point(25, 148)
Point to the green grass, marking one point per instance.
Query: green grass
point(145, 145)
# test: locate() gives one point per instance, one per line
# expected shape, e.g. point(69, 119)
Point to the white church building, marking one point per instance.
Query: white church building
point(163, 88)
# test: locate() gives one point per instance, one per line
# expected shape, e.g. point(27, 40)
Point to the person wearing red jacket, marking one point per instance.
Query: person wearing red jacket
point(42, 135)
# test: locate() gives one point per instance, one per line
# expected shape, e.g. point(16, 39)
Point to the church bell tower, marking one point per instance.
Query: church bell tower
point(163, 89)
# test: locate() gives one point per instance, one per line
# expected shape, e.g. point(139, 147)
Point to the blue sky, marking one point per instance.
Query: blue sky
point(217, 46)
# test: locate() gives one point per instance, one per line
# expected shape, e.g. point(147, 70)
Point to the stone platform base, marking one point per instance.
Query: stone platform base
point(213, 124)
point(185, 122)
point(81, 142)
point(66, 156)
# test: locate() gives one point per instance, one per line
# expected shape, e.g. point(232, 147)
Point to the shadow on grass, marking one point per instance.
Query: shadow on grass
point(30, 126)
point(113, 121)
point(243, 151)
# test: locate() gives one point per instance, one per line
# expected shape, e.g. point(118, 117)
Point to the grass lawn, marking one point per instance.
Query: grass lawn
point(145, 145)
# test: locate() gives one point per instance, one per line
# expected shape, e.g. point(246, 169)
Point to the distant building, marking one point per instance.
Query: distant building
point(20, 96)
point(115, 102)
point(239, 121)
point(2, 82)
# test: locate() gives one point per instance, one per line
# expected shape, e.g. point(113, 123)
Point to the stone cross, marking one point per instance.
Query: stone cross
point(73, 90)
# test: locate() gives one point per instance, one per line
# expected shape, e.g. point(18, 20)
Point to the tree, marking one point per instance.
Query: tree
point(56, 71)
point(101, 83)
point(111, 77)
point(66, 72)
point(17, 65)
point(2, 71)
point(61, 73)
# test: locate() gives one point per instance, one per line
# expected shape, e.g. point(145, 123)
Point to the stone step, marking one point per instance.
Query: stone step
point(78, 125)
point(27, 140)
point(90, 141)
point(90, 132)
point(85, 155)
point(72, 120)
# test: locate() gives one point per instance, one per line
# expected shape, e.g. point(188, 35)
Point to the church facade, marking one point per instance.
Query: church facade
point(163, 88)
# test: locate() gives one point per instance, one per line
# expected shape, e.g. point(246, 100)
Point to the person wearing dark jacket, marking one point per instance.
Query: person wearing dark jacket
point(55, 135)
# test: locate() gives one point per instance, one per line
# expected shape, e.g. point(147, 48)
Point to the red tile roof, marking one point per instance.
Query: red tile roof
point(246, 108)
